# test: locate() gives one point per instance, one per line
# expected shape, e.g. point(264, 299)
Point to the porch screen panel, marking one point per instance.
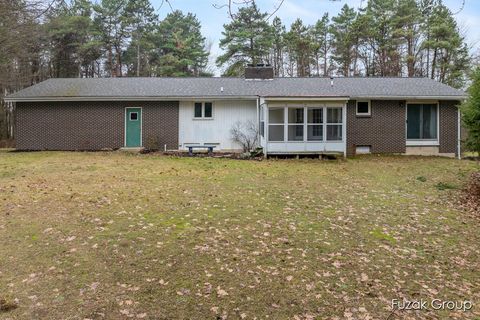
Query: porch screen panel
point(276, 118)
point(334, 124)
point(295, 124)
point(315, 124)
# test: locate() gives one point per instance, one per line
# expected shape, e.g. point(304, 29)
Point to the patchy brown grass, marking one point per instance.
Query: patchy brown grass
point(119, 236)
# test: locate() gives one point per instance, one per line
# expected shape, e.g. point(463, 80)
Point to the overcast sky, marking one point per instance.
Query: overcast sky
point(309, 11)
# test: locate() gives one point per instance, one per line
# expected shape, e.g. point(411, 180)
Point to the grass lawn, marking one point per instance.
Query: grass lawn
point(120, 236)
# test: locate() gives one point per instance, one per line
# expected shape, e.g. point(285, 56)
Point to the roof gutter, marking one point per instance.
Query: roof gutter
point(306, 98)
point(445, 98)
point(132, 98)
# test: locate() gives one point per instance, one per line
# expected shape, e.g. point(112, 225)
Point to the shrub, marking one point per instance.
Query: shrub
point(152, 143)
point(245, 134)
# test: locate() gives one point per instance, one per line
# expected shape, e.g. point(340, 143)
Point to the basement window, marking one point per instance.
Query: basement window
point(363, 108)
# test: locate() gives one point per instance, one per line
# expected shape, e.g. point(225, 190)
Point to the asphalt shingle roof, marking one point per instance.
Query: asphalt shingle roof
point(118, 88)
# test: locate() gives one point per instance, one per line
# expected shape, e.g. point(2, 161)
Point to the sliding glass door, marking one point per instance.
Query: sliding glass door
point(422, 122)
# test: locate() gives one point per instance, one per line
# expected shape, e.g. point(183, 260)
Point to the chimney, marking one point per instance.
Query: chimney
point(259, 72)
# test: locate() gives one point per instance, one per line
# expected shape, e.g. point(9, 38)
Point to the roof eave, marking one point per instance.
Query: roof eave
point(131, 98)
point(435, 97)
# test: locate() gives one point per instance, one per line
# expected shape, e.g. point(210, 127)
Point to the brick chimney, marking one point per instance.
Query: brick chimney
point(259, 72)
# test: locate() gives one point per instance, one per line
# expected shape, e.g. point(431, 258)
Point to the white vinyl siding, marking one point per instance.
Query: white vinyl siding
point(216, 131)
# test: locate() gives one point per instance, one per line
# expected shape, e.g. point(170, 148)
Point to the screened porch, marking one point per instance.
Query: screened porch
point(303, 128)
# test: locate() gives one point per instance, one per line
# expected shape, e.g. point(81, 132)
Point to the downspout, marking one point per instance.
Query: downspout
point(258, 121)
point(459, 146)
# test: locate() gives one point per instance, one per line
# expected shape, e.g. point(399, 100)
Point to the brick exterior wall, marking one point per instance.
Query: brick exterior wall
point(449, 127)
point(91, 125)
point(384, 130)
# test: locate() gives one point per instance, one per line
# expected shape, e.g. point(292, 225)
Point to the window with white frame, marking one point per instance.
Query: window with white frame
point(262, 121)
point(422, 121)
point(315, 124)
point(203, 110)
point(334, 124)
point(276, 117)
point(295, 124)
point(305, 124)
point(363, 108)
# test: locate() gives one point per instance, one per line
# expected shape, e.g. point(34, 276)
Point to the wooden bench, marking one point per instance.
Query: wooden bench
point(190, 149)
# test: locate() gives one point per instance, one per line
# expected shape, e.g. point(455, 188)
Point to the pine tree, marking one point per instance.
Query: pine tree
point(407, 23)
point(382, 37)
point(73, 45)
point(299, 42)
point(321, 45)
point(471, 114)
point(111, 21)
point(278, 41)
point(247, 40)
point(142, 18)
point(343, 39)
point(181, 46)
point(450, 57)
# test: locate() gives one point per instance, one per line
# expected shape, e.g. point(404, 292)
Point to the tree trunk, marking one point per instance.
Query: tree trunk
point(434, 63)
point(138, 60)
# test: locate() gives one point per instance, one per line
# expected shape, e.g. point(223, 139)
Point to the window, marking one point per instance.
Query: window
point(334, 124)
point(305, 124)
point(363, 108)
point(208, 109)
point(133, 116)
point(276, 118)
point(198, 109)
point(422, 121)
point(295, 124)
point(203, 110)
point(315, 124)
point(262, 121)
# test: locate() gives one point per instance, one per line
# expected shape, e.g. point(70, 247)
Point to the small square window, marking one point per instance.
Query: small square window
point(133, 116)
point(198, 109)
point(208, 109)
point(363, 108)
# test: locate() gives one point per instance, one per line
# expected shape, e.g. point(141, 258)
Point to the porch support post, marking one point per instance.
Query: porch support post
point(459, 146)
point(344, 129)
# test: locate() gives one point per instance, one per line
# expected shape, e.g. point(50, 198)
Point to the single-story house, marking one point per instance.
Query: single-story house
point(294, 115)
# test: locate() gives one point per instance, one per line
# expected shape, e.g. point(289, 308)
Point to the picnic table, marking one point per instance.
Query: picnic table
point(190, 149)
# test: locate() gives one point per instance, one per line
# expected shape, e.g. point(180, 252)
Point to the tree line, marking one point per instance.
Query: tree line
point(395, 38)
point(83, 38)
point(41, 39)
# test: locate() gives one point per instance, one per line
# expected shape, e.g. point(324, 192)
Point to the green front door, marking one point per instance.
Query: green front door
point(133, 127)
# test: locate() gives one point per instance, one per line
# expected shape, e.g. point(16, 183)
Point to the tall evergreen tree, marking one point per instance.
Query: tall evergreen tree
point(321, 45)
point(111, 20)
point(142, 18)
point(382, 37)
point(73, 44)
point(407, 23)
point(247, 40)
point(299, 42)
point(343, 42)
point(450, 56)
point(278, 48)
point(181, 46)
